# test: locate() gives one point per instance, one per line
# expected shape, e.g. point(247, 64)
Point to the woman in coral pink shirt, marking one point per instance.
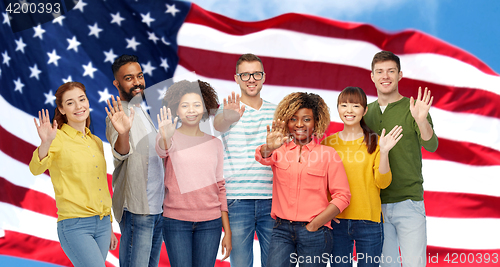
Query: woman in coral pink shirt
point(304, 172)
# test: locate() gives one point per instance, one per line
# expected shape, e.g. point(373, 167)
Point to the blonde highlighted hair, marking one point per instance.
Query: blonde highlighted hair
point(295, 101)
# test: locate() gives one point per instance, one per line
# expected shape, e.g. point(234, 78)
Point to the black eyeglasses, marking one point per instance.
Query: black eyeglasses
point(245, 76)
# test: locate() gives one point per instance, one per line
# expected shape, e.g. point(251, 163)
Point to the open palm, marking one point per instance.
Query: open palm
point(232, 109)
point(387, 142)
point(419, 107)
point(167, 128)
point(121, 122)
point(275, 137)
point(46, 131)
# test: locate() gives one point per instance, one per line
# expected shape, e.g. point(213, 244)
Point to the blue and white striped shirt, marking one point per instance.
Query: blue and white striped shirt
point(245, 177)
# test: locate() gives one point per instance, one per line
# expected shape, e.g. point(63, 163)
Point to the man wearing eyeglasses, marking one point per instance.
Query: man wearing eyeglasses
point(248, 183)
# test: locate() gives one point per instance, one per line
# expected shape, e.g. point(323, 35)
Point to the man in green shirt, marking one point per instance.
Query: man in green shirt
point(403, 201)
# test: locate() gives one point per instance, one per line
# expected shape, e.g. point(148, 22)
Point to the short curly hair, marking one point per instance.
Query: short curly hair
point(177, 90)
point(295, 101)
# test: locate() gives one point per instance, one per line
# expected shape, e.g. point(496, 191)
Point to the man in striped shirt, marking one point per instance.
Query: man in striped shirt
point(248, 183)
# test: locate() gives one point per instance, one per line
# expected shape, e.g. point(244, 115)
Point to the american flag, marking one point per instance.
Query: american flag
point(300, 53)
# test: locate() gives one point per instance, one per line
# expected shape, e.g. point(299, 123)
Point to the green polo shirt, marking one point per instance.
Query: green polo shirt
point(405, 158)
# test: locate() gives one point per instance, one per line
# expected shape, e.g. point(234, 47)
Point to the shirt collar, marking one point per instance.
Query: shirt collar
point(310, 146)
point(72, 132)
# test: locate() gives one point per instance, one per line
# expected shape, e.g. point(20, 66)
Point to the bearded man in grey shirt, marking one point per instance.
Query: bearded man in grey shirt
point(138, 175)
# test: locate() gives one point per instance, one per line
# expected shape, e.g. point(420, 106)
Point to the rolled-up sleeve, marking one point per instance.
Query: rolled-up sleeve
point(382, 181)
point(264, 161)
point(338, 184)
point(112, 136)
point(38, 166)
point(161, 152)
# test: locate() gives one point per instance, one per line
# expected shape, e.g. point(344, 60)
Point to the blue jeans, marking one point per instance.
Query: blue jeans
point(85, 240)
point(247, 217)
point(404, 227)
point(369, 238)
point(192, 243)
point(140, 244)
point(292, 243)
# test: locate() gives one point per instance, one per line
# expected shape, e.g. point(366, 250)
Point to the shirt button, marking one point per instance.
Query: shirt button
point(99, 189)
point(97, 177)
point(96, 166)
point(93, 156)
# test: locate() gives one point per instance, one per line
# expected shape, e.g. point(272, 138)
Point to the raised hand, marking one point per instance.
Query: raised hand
point(167, 128)
point(275, 136)
point(119, 119)
point(46, 131)
point(387, 142)
point(232, 109)
point(419, 108)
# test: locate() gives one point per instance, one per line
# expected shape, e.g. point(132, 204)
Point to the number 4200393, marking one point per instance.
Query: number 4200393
point(471, 258)
point(32, 8)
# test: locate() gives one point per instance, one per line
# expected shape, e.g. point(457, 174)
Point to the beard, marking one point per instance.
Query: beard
point(130, 94)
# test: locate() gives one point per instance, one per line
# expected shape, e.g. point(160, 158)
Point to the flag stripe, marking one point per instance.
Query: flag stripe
point(446, 176)
point(460, 205)
point(405, 42)
point(18, 169)
point(32, 247)
point(284, 44)
point(464, 152)
point(25, 198)
point(443, 232)
point(445, 257)
point(318, 75)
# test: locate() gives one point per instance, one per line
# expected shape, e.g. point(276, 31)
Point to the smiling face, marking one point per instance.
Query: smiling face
point(190, 110)
point(250, 88)
point(301, 126)
point(386, 76)
point(75, 106)
point(351, 113)
point(129, 80)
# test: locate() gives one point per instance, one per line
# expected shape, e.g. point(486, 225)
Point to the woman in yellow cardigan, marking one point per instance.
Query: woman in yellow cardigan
point(367, 167)
point(75, 160)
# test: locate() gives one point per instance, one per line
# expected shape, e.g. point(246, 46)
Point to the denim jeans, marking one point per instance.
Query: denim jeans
point(292, 243)
point(85, 240)
point(369, 238)
point(192, 244)
point(404, 227)
point(140, 244)
point(247, 217)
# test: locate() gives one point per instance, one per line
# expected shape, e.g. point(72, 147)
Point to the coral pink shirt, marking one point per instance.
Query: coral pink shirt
point(300, 188)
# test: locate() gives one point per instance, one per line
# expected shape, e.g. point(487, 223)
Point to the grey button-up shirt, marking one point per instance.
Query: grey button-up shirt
point(138, 176)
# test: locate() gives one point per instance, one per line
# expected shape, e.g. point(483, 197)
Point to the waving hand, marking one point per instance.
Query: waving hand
point(119, 119)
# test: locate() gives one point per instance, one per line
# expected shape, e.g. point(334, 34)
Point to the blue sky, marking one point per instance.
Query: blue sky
point(471, 25)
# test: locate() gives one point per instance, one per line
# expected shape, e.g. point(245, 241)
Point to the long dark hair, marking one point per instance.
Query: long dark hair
point(352, 94)
point(58, 116)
